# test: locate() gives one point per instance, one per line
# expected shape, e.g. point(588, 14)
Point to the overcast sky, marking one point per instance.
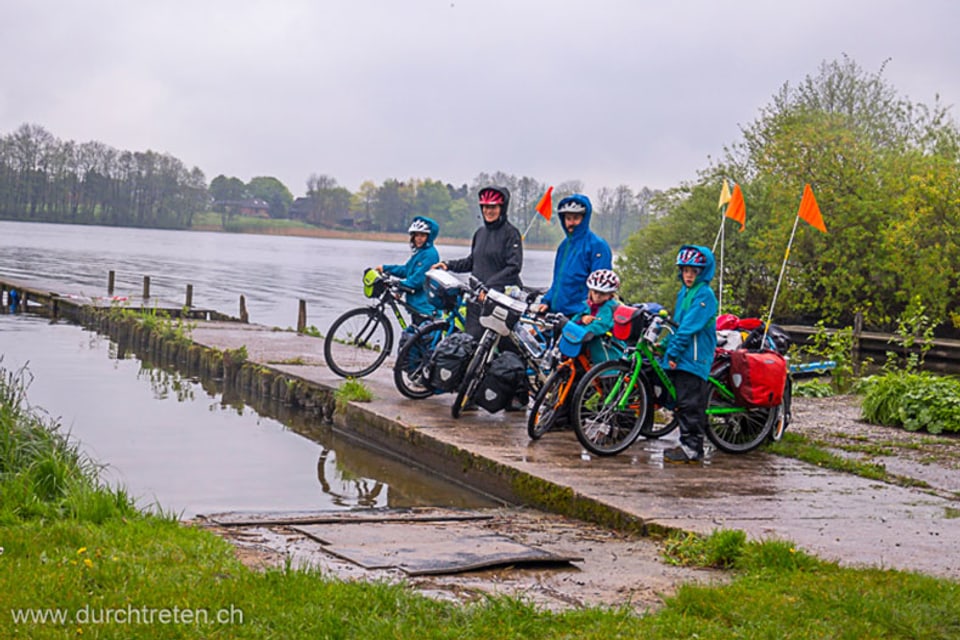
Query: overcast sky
point(609, 92)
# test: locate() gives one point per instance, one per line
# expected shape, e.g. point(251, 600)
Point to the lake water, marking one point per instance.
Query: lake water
point(273, 273)
point(175, 441)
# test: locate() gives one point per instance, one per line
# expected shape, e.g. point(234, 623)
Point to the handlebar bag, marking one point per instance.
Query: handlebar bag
point(450, 360)
point(500, 312)
point(631, 320)
point(758, 378)
point(373, 284)
point(443, 289)
point(572, 339)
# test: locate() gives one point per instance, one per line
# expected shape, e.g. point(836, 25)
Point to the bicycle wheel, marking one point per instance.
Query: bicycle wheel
point(472, 376)
point(783, 418)
point(737, 429)
point(549, 404)
point(664, 421)
point(602, 427)
point(358, 342)
point(411, 369)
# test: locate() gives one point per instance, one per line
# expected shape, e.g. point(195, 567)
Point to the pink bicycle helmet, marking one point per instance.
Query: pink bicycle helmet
point(490, 196)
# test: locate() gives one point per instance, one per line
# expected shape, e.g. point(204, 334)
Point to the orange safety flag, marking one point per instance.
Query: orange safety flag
point(545, 206)
point(724, 194)
point(809, 211)
point(737, 209)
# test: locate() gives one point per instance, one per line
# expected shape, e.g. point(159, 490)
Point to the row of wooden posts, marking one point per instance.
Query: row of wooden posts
point(188, 302)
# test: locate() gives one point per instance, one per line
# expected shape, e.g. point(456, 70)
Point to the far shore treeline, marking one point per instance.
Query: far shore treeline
point(885, 172)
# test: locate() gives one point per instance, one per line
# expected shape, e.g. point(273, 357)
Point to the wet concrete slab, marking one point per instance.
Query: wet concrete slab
point(834, 515)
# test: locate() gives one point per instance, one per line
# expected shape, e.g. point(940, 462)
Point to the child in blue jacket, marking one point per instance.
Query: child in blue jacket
point(690, 350)
point(423, 232)
point(597, 314)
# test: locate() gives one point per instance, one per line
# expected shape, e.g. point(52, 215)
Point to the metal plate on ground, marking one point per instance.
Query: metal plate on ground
point(256, 518)
point(426, 548)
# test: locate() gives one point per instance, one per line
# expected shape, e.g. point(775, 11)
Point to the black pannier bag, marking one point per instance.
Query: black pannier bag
point(450, 360)
point(775, 334)
point(505, 379)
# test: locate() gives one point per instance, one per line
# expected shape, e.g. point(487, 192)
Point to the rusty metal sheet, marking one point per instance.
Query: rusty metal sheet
point(426, 548)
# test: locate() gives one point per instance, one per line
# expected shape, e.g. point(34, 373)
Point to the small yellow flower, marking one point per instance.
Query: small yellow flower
point(79, 631)
point(88, 562)
point(81, 551)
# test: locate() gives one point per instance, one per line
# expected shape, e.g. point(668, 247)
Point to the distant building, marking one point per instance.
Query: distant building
point(251, 208)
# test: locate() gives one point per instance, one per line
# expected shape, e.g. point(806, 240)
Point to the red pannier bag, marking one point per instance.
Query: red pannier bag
point(758, 378)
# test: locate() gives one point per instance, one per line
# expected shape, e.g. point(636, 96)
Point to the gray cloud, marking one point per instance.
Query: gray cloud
point(609, 92)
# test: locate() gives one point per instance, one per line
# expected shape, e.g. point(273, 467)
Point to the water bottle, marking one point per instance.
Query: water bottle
point(527, 338)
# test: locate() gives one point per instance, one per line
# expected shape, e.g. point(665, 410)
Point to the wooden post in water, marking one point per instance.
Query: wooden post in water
point(146, 287)
point(857, 331)
point(302, 317)
point(189, 301)
point(111, 278)
point(243, 310)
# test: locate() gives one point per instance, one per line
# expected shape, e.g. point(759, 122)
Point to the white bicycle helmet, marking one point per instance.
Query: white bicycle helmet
point(419, 226)
point(571, 205)
point(604, 281)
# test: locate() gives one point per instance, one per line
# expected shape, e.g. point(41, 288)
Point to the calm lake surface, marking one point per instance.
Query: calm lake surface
point(273, 272)
point(175, 441)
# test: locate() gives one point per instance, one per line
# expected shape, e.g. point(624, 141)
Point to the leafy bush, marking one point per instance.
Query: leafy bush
point(913, 401)
point(812, 389)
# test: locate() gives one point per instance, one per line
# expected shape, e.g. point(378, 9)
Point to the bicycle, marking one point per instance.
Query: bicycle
point(411, 372)
point(569, 361)
point(506, 317)
point(614, 403)
point(361, 339)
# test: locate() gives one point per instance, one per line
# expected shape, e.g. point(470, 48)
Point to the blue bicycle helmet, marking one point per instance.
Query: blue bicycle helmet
point(691, 257)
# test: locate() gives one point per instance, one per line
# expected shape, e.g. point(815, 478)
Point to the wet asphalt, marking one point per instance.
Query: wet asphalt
point(834, 515)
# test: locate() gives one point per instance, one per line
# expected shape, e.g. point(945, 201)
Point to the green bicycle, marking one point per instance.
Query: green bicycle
point(616, 402)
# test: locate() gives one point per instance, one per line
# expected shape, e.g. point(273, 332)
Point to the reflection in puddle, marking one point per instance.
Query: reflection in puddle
point(191, 446)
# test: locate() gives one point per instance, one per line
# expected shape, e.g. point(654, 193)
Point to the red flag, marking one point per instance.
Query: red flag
point(545, 206)
point(809, 211)
point(737, 209)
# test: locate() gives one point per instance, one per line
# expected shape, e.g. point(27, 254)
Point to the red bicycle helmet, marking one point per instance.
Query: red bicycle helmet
point(491, 196)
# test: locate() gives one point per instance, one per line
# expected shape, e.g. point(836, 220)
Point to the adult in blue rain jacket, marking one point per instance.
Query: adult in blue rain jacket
point(423, 232)
point(580, 253)
point(689, 352)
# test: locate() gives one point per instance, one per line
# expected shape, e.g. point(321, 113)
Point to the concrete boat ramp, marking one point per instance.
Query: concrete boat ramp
point(833, 515)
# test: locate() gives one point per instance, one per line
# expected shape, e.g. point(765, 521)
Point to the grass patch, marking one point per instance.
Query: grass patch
point(74, 548)
point(297, 361)
point(794, 445)
point(351, 390)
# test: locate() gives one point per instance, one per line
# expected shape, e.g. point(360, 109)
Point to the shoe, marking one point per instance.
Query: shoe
point(678, 455)
point(472, 406)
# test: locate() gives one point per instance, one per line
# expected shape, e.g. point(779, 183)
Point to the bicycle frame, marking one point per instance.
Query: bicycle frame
point(643, 353)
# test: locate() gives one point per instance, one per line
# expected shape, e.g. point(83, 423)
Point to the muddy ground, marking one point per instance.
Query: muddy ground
point(618, 569)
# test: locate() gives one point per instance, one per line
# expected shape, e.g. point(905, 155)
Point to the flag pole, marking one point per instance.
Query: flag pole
point(523, 236)
point(776, 291)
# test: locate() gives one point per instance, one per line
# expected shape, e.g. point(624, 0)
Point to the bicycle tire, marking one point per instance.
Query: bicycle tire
point(548, 404)
point(783, 419)
point(472, 376)
point(410, 378)
point(601, 428)
point(664, 422)
point(358, 342)
point(741, 430)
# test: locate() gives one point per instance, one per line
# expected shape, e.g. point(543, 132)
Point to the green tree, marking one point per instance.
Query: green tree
point(273, 192)
point(884, 172)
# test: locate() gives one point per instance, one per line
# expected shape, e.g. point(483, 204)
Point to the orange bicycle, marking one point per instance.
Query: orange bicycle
point(550, 409)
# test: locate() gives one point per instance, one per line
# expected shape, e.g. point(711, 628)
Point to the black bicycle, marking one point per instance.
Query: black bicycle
point(504, 317)
point(361, 339)
point(411, 372)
